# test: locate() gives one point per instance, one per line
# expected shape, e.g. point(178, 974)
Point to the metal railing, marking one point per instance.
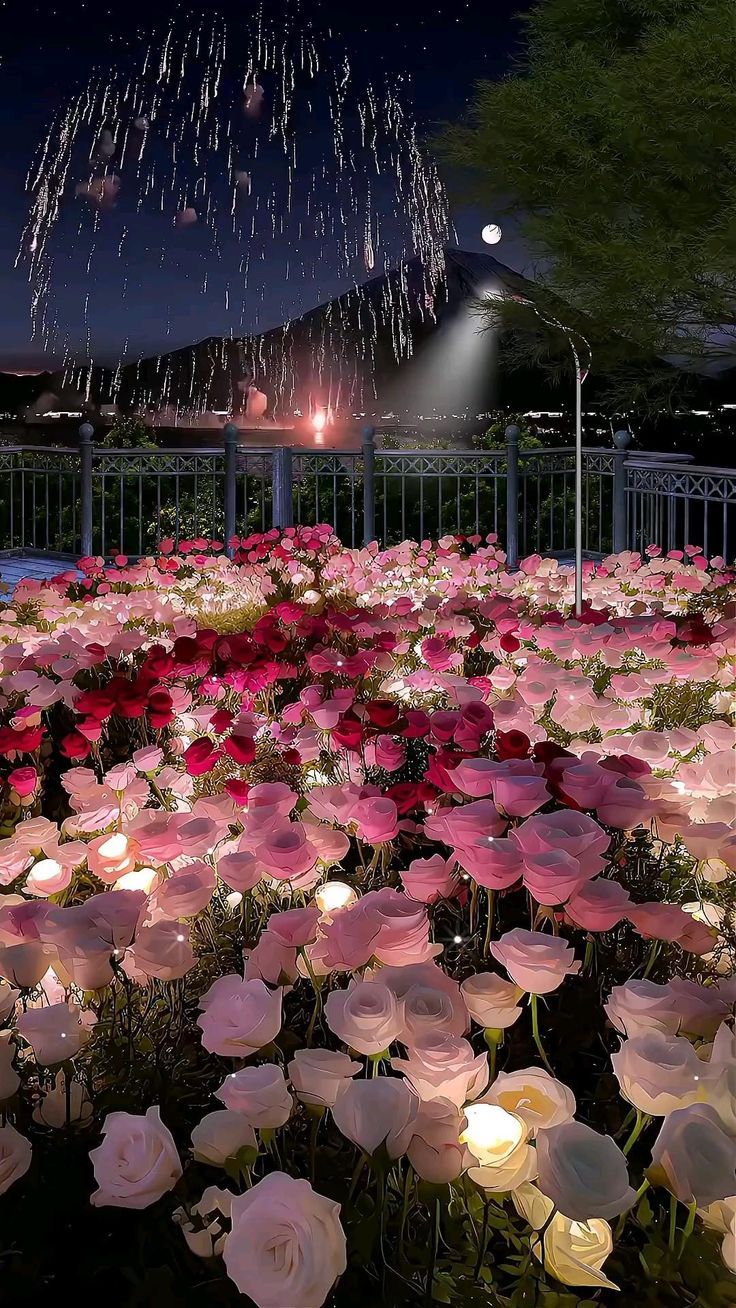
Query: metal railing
point(109, 502)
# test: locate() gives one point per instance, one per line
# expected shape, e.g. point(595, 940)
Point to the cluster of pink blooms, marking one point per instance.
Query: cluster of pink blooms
point(447, 732)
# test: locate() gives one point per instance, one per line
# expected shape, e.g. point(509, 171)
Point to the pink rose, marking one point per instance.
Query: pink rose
point(55, 1033)
point(659, 1073)
point(221, 1135)
point(694, 1157)
point(239, 1017)
point(598, 906)
point(583, 1173)
point(403, 927)
point(428, 879)
point(187, 892)
point(286, 1246)
point(162, 951)
point(443, 1066)
point(575, 833)
point(537, 962)
point(260, 1094)
point(492, 862)
point(240, 871)
point(551, 878)
point(296, 927)
point(136, 1163)
point(347, 939)
point(379, 1111)
point(287, 854)
point(15, 1156)
point(366, 1016)
point(435, 1150)
point(377, 820)
point(466, 824)
point(491, 1001)
point(319, 1075)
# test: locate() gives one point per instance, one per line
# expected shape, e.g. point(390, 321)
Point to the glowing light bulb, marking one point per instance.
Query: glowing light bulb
point(234, 899)
point(333, 896)
point(319, 422)
point(44, 872)
point(491, 233)
point(492, 1134)
point(114, 848)
point(144, 879)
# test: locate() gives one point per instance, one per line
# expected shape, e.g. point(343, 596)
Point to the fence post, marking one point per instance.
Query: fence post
point(622, 440)
point(231, 469)
point(86, 450)
point(369, 486)
point(512, 496)
point(283, 504)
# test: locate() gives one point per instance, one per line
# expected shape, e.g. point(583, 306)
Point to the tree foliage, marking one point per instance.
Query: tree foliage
point(615, 144)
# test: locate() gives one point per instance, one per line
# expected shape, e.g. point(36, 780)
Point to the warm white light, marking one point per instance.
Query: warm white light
point(114, 848)
point(333, 896)
point(491, 234)
point(144, 879)
point(234, 899)
point(45, 872)
point(492, 1134)
point(319, 421)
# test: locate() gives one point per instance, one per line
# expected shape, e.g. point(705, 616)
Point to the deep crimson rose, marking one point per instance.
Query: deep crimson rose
point(292, 756)
point(405, 796)
point(512, 744)
point(96, 704)
point(201, 757)
point(160, 707)
point(546, 751)
point(222, 719)
point(131, 702)
point(159, 663)
point(186, 651)
point(382, 713)
point(417, 724)
point(23, 781)
point(695, 631)
point(509, 644)
point(237, 649)
point(74, 745)
point(241, 748)
point(348, 732)
point(24, 742)
point(626, 765)
point(237, 790)
point(441, 767)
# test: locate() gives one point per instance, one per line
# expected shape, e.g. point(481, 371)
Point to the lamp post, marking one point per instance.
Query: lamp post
point(582, 369)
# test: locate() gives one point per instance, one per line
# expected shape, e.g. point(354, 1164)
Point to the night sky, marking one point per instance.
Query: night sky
point(48, 52)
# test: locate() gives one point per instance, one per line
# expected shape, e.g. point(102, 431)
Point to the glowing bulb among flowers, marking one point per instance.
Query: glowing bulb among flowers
point(492, 1134)
point(145, 878)
point(333, 896)
point(47, 878)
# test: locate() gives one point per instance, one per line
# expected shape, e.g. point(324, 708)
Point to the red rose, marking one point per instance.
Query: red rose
point(237, 790)
point(97, 704)
point(241, 748)
point(160, 707)
point(201, 757)
point(417, 724)
point(23, 781)
point(382, 713)
point(509, 644)
point(75, 745)
point(348, 732)
point(512, 744)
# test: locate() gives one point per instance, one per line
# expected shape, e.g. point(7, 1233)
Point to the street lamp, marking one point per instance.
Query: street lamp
point(491, 234)
point(582, 369)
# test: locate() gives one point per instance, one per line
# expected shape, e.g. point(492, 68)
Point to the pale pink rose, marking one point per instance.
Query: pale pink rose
point(221, 1135)
point(575, 833)
point(680, 1005)
point(15, 1157)
point(187, 891)
point(271, 961)
point(376, 819)
point(694, 1157)
point(624, 805)
point(430, 1008)
point(403, 928)
point(287, 854)
point(598, 905)
point(537, 962)
point(260, 1094)
point(428, 879)
point(465, 824)
point(493, 862)
point(162, 951)
point(443, 1066)
point(659, 1073)
point(240, 870)
point(239, 1017)
point(331, 845)
point(296, 927)
point(23, 965)
point(112, 916)
point(375, 1112)
point(658, 921)
point(286, 1246)
point(551, 878)
point(583, 1173)
point(347, 940)
point(110, 857)
point(491, 1001)
point(335, 803)
point(136, 1163)
point(319, 1075)
point(532, 1094)
point(473, 776)
point(47, 877)
point(366, 1017)
point(435, 1150)
point(9, 1079)
point(8, 998)
point(56, 1032)
point(519, 793)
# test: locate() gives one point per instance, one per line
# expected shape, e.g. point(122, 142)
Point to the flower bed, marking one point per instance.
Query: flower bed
point(367, 921)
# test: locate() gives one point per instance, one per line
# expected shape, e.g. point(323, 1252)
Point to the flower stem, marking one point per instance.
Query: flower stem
point(534, 1004)
point(489, 925)
point(642, 1121)
point(687, 1230)
point(673, 1224)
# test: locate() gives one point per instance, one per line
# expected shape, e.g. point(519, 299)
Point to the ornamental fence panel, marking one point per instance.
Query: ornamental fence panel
point(108, 502)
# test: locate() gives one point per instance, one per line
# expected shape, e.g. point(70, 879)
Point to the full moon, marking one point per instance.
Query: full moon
point(491, 234)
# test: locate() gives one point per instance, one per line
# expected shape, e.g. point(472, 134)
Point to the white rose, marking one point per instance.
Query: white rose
point(136, 1163)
